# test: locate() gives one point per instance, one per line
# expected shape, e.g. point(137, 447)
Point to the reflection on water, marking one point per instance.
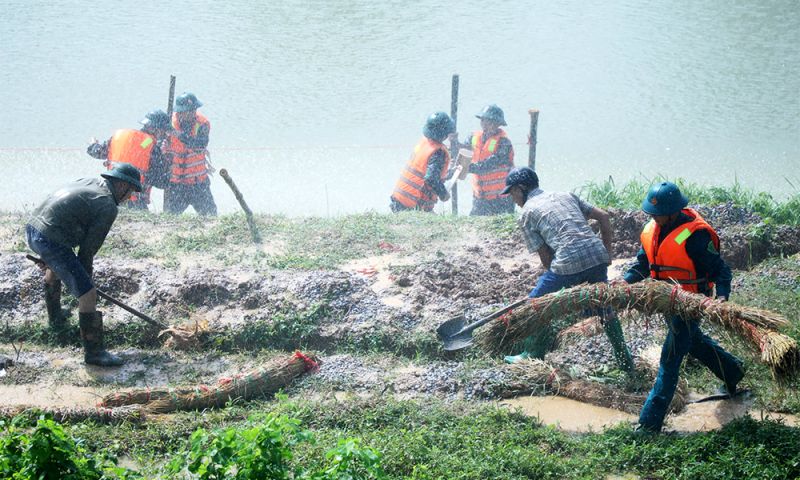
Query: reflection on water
point(702, 90)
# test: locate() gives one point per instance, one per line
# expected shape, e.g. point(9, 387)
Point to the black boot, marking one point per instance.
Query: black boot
point(52, 300)
point(91, 324)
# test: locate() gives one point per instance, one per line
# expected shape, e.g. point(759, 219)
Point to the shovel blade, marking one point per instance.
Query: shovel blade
point(457, 342)
point(452, 334)
point(451, 327)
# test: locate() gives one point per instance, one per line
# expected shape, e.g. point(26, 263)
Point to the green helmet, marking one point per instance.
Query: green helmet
point(187, 101)
point(664, 199)
point(493, 113)
point(438, 126)
point(155, 120)
point(127, 173)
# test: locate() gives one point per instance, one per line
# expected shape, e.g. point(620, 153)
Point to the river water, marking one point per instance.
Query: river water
point(316, 105)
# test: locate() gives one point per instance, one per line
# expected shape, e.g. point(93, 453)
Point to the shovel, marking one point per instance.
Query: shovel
point(456, 334)
point(113, 300)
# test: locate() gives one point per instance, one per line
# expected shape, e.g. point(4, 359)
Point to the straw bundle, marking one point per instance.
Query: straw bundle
point(537, 377)
point(129, 413)
point(263, 381)
point(757, 327)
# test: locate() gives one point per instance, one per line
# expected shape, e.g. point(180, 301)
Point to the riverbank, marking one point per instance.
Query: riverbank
point(365, 292)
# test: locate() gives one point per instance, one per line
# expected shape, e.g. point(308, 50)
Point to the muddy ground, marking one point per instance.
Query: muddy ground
point(372, 320)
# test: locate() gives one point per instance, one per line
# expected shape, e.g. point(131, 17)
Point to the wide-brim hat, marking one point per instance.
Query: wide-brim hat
point(127, 173)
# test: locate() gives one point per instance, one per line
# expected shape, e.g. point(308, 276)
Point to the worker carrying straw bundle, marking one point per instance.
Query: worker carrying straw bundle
point(682, 250)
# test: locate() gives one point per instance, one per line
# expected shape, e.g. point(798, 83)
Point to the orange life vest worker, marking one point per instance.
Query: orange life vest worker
point(410, 190)
point(669, 260)
point(188, 164)
point(134, 147)
point(488, 185)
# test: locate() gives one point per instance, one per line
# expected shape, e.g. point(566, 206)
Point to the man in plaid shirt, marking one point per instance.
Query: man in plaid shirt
point(555, 225)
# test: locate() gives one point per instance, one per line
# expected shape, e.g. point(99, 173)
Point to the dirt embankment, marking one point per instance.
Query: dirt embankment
point(389, 304)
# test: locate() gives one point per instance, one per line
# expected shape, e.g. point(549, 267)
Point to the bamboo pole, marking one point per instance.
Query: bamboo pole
point(171, 99)
point(534, 113)
point(247, 212)
point(454, 145)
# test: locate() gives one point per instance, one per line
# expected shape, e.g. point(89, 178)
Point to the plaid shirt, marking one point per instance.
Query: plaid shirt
point(558, 220)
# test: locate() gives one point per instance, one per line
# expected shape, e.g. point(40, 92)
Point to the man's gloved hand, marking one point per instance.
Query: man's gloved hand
point(446, 196)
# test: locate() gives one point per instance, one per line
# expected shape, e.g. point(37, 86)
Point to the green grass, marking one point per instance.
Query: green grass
point(630, 196)
point(433, 440)
point(299, 243)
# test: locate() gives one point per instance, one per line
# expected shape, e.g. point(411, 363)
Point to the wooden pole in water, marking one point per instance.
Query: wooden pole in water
point(534, 113)
point(247, 212)
point(454, 145)
point(171, 95)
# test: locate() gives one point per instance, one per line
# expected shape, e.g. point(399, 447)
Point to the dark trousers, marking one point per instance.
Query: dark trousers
point(179, 196)
point(538, 345)
point(685, 337)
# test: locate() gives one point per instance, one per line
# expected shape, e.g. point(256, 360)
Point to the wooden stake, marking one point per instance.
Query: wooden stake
point(454, 145)
point(247, 212)
point(534, 113)
point(171, 95)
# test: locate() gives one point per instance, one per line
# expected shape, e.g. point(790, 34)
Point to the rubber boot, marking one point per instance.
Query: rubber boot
point(534, 346)
point(91, 324)
point(52, 300)
point(622, 355)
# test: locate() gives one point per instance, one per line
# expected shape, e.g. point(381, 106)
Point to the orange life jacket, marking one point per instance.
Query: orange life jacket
point(410, 190)
point(188, 164)
point(134, 147)
point(488, 185)
point(669, 260)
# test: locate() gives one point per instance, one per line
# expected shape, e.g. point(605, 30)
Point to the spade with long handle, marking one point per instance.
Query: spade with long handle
point(456, 334)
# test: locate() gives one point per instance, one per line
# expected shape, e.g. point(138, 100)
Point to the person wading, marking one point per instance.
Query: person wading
point(679, 246)
point(189, 183)
point(80, 214)
point(492, 159)
point(422, 179)
point(140, 148)
point(555, 225)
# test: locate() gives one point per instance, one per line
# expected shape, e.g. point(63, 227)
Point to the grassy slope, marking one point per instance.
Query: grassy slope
point(434, 440)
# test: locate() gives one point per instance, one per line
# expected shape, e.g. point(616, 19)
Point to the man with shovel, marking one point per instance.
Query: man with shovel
point(80, 214)
point(555, 225)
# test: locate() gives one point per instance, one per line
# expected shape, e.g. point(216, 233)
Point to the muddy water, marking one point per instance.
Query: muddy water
point(52, 396)
point(569, 415)
point(574, 416)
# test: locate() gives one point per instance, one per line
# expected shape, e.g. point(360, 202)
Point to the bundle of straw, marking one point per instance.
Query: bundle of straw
point(129, 413)
point(757, 327)
point(538, 377)
point(260, 382)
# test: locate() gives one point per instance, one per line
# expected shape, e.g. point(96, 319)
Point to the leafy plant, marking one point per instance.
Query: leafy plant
point(261, 451)
point(48, 452)
point(350, 461)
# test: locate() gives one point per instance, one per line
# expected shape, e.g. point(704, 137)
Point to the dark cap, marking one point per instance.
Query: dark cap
point(521, 176)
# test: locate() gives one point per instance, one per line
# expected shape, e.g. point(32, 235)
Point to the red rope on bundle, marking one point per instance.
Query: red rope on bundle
point(551, 377)
point(674, 295)
point(311, 365)
point(506, 319)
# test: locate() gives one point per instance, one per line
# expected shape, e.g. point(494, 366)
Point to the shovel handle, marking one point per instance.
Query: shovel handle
point(109, 298)
point(472, 326)
point(132, 310)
